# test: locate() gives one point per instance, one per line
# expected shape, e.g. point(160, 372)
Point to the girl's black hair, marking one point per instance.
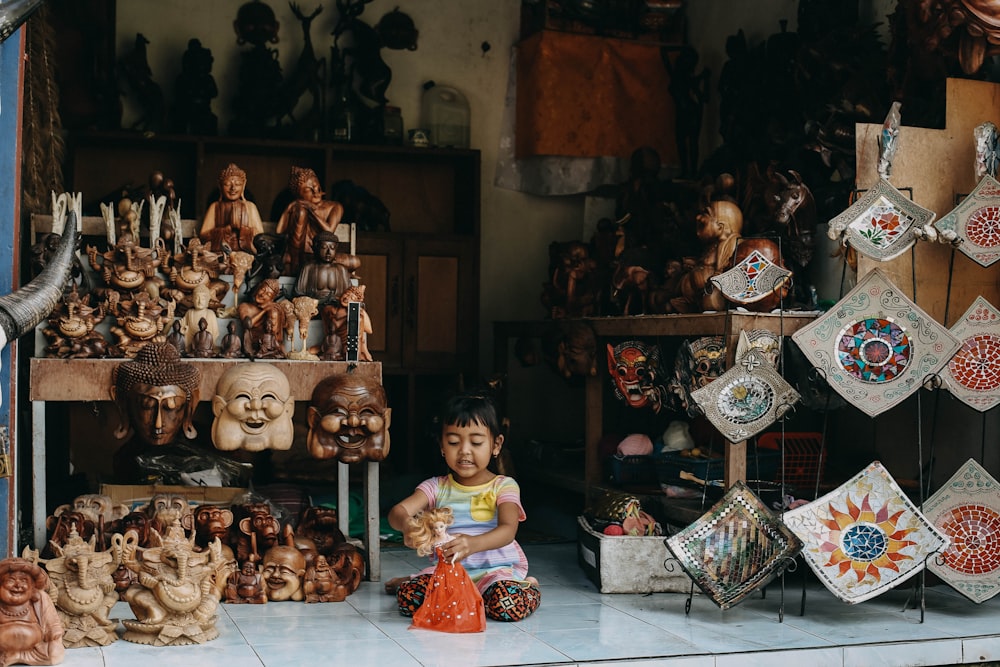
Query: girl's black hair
point(465, 409)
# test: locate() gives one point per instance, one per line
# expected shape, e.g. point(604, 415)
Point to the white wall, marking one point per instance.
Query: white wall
point(516, 228)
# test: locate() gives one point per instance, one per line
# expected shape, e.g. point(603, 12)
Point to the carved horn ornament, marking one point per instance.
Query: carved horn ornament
point(22, 310)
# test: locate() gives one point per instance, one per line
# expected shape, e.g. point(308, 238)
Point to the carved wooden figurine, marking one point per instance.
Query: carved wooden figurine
point(195, 267)
point(304, 308)
point(30, 630)
point(174, 599)
point(305, 217)
point(335, 319)
point(282, 574)
point(83, 590)
point(233, 220)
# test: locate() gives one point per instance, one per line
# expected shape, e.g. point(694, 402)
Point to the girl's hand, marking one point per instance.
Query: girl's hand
point(457, 549)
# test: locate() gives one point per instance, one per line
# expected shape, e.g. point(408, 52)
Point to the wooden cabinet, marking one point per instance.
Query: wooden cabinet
point(422, 296)
point(421, 277)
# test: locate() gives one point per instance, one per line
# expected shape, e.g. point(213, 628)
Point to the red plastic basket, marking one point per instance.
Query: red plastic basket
point(805, 458)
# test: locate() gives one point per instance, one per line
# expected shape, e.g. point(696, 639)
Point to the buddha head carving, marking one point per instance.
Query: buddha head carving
point(156, 394)
point(348, 419)
point(253, 408)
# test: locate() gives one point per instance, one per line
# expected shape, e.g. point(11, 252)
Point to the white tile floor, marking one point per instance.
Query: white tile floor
point(576, 625)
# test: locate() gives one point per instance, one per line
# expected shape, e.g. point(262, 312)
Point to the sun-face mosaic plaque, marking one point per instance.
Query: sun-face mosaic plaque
point(864, 537)
point(875, 347)
point(972, 375)
point(967, 510)
point(751, 280)
point(735, 548)
point(880, 224)
point(747, 398)
point(976, 222)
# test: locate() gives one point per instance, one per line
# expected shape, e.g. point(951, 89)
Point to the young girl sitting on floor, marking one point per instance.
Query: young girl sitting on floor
point(486, 508)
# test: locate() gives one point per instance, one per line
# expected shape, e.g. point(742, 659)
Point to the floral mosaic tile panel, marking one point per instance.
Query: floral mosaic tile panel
point(967, 509)
point(880, 224)
point(976, 222)
point(735, 548)
point(747, 398)
point(864, 537)
point(875, 347)
point(972, 375)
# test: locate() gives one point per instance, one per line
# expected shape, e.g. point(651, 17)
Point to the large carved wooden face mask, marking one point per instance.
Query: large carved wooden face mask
point(349, 420)
point(253, 409)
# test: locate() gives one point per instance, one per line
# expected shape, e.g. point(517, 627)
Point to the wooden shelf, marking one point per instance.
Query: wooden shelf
point(728, 324)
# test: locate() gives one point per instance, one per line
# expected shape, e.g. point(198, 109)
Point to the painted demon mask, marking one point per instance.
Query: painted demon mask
point(635, 369)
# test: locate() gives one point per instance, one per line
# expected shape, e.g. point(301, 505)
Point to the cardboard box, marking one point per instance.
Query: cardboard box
point(623, 564)
point(137, 495)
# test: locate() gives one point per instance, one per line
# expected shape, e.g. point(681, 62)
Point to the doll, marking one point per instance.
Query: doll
point(429, 529)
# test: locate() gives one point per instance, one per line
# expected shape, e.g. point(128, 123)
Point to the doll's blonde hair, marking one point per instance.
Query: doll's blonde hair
point(420, 528)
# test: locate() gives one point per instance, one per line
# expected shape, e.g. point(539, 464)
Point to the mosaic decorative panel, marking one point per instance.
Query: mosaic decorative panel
point(751, 280)
point(880, 223)
point(735, 548)
point(967, 510)
point(766, 342)
point(747, 398)
point(875, 346)
point(973, 374)
point(976, 221)
point(865, 537)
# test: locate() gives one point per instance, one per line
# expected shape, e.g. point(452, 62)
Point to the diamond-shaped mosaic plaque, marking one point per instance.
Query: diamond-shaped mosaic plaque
point(875, 347)
point(747, 398)
point(976, 221)
point(864, 537)
point(753, 279)
point(967, 510)
point(973, 373)
point(880, 223)
point(735, 548)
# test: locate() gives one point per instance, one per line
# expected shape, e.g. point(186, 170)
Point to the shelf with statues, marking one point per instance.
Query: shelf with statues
point(86, 374)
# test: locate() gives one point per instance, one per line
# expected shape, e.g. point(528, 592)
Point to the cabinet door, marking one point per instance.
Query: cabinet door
point(440, 304)
point(382, 275)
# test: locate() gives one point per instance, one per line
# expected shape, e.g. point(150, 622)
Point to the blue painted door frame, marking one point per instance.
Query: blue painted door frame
point(11, 77)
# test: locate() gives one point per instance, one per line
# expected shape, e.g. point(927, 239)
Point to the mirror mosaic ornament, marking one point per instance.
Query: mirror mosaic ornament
point(973, 374)
point(753, 279)
point(967, 509)
point(735, 548)
point(875, 347)
point(747, 398)
point(865, 537)
point(880, 224)
point(974, 225)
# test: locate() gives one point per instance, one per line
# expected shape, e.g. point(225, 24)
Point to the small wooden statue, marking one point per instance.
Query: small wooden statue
point(305, 217)
point(83, 590)
point(335, 319)
point(233, 221)
point(174, 598)
point(30, 630)
point(244, 585)
point(304, 308)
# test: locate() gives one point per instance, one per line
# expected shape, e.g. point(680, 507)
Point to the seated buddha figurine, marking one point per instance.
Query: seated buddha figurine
point(328, 274)
point(233, 220)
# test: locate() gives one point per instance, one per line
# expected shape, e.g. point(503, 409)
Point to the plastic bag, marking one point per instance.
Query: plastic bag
point(188, 466)
point(452, 602)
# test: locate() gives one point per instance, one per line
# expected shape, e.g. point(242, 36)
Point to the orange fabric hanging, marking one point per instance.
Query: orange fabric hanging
point(452, 602)
point(587, 96)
